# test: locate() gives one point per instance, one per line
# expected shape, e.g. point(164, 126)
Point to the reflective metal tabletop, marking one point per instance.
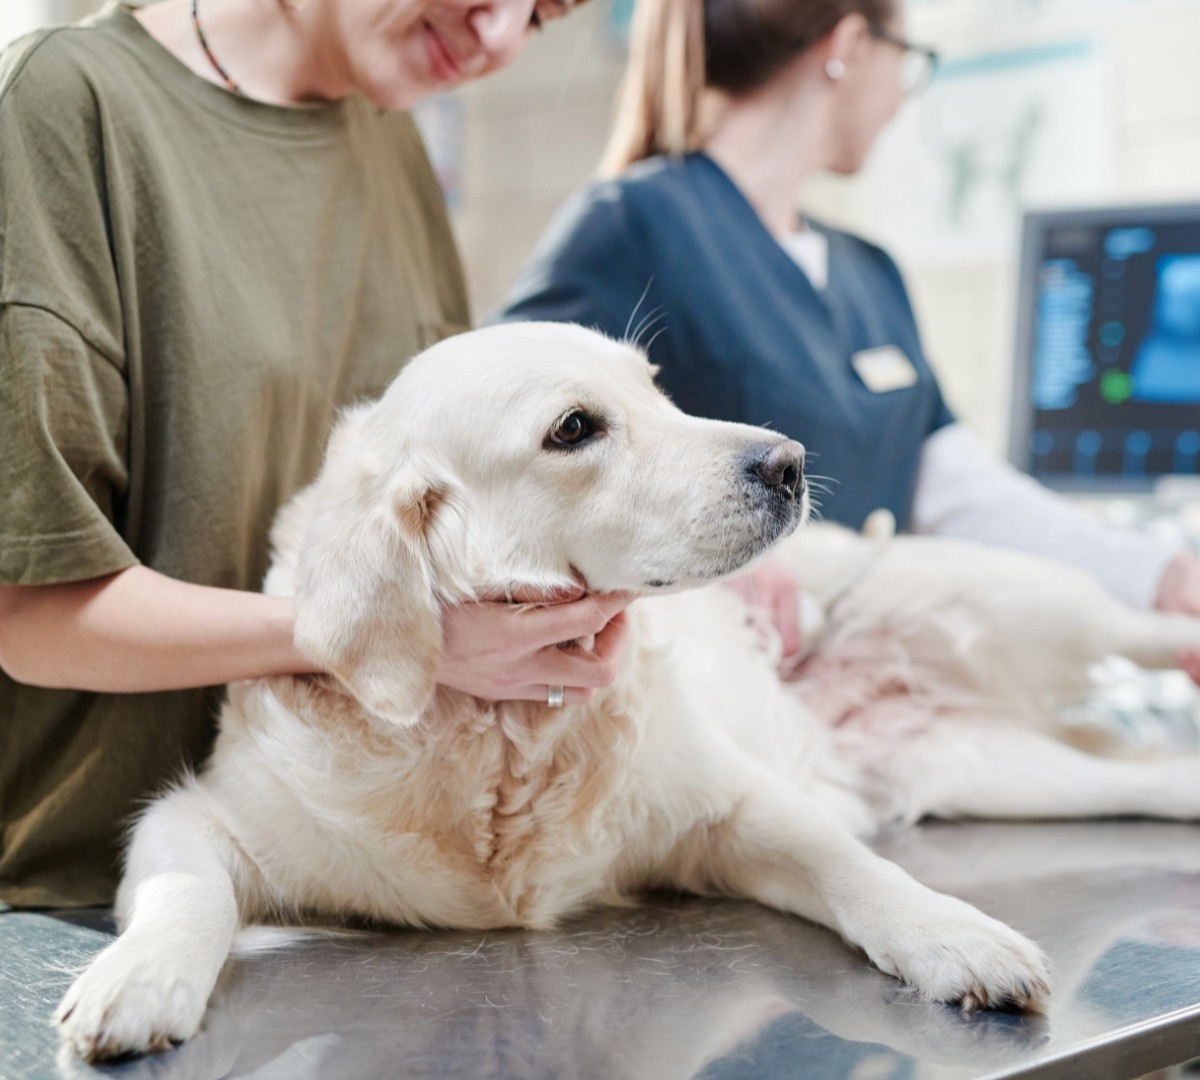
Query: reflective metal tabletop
point(681, 987)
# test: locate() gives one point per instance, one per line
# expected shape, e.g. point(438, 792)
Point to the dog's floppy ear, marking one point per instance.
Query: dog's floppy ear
point(366, 607)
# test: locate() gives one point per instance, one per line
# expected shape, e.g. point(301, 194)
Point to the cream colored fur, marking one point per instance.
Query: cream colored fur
point(934, 688)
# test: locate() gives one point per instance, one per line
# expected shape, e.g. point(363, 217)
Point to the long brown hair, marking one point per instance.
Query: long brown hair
point(680, 48)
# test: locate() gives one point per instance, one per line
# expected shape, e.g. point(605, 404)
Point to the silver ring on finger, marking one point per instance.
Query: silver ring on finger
point(554, 696)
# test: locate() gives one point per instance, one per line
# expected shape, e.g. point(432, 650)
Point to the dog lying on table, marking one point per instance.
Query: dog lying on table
point(534, 456)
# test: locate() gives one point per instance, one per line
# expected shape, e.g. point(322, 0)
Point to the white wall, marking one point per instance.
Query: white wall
point(18, 17)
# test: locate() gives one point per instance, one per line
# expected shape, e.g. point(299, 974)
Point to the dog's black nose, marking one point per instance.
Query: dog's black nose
point(781, 468)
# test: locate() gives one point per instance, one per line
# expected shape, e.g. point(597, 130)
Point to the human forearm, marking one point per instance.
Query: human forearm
point(139, 630)
point(964, 491)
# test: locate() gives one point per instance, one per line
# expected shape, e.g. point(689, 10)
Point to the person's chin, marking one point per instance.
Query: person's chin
point(399, 92)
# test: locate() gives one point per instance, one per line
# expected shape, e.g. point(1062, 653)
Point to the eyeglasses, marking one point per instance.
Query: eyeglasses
point(918, 64)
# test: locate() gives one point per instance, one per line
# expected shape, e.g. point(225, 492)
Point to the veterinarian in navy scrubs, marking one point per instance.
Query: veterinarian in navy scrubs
point(758, 314)
point(217, 226)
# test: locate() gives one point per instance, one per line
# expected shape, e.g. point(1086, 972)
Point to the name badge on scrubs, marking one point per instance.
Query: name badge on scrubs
point(884, 369)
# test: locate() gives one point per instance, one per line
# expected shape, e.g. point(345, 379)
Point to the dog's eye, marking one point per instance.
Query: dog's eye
point(574, 428)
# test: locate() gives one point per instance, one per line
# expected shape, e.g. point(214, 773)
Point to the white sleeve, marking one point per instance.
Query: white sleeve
point(963, 490)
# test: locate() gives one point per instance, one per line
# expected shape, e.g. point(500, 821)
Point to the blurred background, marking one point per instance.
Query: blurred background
point(1038, 104)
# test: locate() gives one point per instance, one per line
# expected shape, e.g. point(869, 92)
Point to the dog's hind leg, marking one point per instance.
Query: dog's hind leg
point(958, 771)
point(786, 851)
point(148, 990)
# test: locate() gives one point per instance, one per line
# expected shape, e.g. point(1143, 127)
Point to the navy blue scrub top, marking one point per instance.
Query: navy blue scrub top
point(737, 327)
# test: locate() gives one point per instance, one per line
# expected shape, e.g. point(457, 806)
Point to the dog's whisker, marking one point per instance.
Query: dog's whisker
point(661, 330)
point(633, 313)
point(644, 327)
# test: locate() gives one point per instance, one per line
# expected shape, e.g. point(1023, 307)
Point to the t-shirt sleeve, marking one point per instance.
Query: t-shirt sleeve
point(63, 443)
point(590, 268)
point(64, 402)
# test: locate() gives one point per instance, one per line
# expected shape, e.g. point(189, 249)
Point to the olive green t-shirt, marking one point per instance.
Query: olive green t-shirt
point(191, 284)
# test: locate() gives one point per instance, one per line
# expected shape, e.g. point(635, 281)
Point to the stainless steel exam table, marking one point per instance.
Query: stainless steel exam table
point(683, 987)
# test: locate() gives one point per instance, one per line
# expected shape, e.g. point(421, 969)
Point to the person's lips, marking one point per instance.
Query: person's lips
point(445, 66)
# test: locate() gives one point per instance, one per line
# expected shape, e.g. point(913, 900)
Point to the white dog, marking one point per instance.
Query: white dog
point(543, 455)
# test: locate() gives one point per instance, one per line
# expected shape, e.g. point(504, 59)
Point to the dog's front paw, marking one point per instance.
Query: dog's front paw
point(133, 999)
point(952, 952)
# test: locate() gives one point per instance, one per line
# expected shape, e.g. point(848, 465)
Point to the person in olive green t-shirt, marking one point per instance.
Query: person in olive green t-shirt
point(195, 274)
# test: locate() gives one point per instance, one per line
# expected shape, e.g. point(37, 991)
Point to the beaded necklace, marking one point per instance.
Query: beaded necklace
point(229, 83)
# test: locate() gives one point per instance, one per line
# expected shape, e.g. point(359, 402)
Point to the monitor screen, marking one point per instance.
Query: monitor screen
point(1106, 389)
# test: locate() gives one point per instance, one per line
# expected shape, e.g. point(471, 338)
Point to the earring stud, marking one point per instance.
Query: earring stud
point(835, 69)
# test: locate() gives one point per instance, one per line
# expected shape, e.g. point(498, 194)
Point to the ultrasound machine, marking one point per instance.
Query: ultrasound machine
point(1106, 388)
point(1106, 392)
